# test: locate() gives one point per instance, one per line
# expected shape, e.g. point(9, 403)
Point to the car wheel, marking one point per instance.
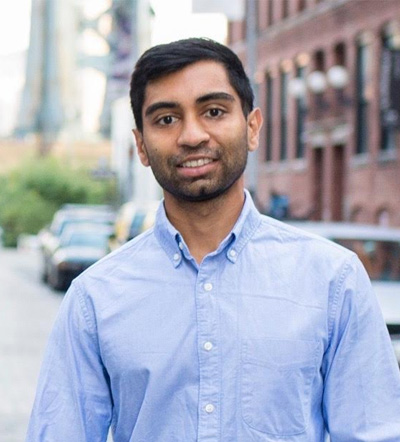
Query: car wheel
point(56, 280)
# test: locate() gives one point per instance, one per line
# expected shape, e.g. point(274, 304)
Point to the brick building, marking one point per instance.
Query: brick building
point(328, 82)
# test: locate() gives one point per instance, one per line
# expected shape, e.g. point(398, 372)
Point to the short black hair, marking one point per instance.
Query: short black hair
point(171, 57)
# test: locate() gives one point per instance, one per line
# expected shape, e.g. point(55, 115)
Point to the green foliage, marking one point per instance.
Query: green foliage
point(32, 193)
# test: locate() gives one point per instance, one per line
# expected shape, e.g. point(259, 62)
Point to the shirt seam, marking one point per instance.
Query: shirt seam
point(85, 312)
point(335, 303)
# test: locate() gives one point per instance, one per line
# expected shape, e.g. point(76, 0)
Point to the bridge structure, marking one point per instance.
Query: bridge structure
point(51, 102)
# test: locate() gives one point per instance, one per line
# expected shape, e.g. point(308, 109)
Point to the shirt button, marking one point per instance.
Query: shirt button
point(232, 253)
point(208, 346)
point(208, 287)
point(176, 257)
point(180, 245)
point(209, 408)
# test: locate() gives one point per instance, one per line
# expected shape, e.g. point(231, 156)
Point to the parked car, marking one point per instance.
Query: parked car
point(378, 248)
point(133, 218)
point(79, 247)
point(70, 214)
point(80, 213)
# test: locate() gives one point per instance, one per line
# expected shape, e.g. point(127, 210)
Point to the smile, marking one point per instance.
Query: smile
point(196, 163)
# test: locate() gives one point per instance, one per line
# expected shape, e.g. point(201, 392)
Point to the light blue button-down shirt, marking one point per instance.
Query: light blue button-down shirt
point(276, 336)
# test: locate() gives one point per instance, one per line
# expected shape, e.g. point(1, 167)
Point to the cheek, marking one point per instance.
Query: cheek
point(156, 157)
point(233, 133)
point(158, 142)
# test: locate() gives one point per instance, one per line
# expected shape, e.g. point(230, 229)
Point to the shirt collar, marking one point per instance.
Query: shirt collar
point(174, 245)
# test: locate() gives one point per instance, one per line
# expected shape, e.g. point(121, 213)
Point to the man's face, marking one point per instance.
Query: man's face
point(195, 136)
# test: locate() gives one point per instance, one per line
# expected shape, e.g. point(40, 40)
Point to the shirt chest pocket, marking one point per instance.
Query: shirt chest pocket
point(277, 378)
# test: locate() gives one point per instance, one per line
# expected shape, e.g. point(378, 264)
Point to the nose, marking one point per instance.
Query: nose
point(193, 133)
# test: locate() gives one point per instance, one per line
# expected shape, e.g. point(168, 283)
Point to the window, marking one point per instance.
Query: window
point(284, 115)
point(319, 60)
point(379, 257)
point(285, 8)
point(361, 100)
point(390, 60)
point(269, 120)
point(340, 54)
point(270, 12)
point(301, 109)
point(317, 84)
point(301, 5)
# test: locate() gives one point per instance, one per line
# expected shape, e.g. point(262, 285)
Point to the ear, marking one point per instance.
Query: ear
point(254, 123)
point(141, 150)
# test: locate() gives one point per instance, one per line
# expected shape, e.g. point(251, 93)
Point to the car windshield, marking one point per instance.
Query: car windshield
point(381, 259)
point(59, 227)
point(86, 239)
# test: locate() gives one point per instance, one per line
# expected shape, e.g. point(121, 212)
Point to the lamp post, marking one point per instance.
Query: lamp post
point(326, 129)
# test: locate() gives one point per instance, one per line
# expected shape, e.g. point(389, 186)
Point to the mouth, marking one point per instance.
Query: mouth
point(191, 164)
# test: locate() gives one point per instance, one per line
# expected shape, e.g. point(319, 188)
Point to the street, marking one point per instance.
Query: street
point(27, 311)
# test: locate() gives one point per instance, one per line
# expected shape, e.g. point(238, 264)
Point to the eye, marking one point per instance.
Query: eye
point(166, 120)
point(215, 112)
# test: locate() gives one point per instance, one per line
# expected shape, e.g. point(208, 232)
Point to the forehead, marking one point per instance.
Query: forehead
point(189, 83)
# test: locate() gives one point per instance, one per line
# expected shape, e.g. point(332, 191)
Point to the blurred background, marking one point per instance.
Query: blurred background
point(326, 74)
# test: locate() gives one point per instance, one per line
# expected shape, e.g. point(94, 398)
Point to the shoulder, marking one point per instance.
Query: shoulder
point(123, 260)
point(297, 250)
point(299, 238)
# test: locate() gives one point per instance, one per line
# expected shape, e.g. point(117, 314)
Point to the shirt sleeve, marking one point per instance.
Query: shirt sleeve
point(362, 378)
point(73, 400)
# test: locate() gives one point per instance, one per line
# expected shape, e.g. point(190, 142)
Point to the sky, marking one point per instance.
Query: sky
point(14, 25)
point(14, 39)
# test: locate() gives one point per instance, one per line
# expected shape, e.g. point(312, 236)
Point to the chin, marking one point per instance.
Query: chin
point(203, 194)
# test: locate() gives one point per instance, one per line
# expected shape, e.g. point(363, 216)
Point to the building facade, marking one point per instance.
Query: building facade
point(328, 81)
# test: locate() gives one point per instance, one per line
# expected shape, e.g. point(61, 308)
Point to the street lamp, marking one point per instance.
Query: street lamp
point(317, 82)
point(338, 77)
point(297, 88)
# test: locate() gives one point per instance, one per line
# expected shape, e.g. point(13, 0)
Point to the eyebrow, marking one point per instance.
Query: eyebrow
point(203, 99)
point(160, 105)
point(215, 96)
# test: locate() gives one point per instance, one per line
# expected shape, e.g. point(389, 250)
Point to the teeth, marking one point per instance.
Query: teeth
point(197, 163)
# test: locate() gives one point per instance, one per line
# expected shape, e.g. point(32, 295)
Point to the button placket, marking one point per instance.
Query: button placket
point(208, 325)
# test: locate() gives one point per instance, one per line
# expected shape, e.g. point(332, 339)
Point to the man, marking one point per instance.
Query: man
point(219, 324)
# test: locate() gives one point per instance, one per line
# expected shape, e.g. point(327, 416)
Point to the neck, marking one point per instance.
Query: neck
point(203, 225)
